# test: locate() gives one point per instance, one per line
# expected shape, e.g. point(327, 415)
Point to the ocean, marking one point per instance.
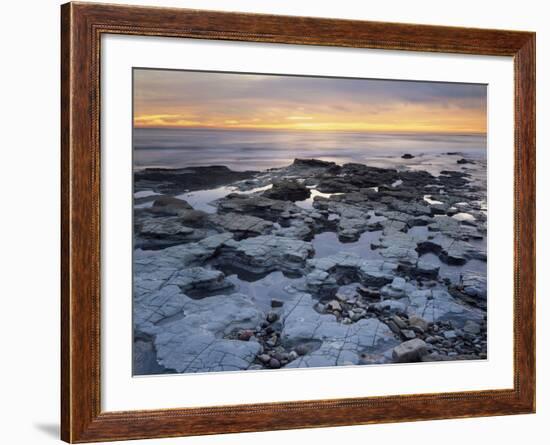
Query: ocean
point(260, 150)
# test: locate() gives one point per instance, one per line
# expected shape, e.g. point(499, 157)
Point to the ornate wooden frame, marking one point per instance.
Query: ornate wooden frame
point(82, 25)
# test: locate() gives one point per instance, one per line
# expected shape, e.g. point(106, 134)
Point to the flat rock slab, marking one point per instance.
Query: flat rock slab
point(168, 227)
point(257, 205)
point(398, 288)
point(452, 227)
point(151, 308)
point(438, 305)
point(475, 285)
point(324, 273)
point(338, 344)
point(266, 253)
point(153, 268)
point(198, 278)
point(297, 229)
point(194, 341)
point(244, 225)
point(452, 251)
point(398, 247)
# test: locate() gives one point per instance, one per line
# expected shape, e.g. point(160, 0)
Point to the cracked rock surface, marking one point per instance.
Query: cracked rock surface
point(338, 344)
point(309, 265)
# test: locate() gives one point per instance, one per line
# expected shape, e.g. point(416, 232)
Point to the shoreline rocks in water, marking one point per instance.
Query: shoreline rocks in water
point(247, 286)
point(288, 190)
point(164, 180)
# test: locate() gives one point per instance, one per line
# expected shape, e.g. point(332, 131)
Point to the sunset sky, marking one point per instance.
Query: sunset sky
point(248, 101)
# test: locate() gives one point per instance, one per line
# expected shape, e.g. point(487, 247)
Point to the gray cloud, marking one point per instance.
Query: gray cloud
point(177, 88)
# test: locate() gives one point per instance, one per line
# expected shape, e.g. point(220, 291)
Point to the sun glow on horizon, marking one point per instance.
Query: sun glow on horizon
point(183, 99)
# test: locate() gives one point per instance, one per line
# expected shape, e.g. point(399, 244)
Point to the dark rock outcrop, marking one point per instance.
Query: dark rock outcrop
point(288, 190)
point(187, 179)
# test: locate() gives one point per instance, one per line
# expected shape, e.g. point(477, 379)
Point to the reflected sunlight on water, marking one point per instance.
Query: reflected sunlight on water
point(259, 150)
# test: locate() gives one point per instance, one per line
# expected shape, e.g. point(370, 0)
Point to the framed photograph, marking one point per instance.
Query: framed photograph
point(275, 222)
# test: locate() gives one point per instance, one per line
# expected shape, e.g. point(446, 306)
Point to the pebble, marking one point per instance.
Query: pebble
point(272, 317)
point(408, 334)
point(417, 330)
point(276, 303)
point(399, 322)
point(245, 335)
point(274, 363)
point(449, 335)
point(272, 341)
point(264, 358)
point(418, 322)
point(280, 356)
point(301, 349)
point(334, 305)
point(394, 328)
point(341, 297)
point(471, 327)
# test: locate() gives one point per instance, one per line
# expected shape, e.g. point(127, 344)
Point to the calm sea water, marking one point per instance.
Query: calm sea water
point(259, 150)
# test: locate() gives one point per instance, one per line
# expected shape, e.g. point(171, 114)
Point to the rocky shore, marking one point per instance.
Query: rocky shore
point(313, 264)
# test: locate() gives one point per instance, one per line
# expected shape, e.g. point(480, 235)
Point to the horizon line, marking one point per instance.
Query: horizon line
point(312, 130)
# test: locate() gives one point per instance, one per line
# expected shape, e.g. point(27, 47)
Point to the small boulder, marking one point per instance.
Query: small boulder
point(264, 358)
point(292, 355)
point(418, 322)
point(193, 218)
point(410, 351)
point(393, 327)
point(399, 322)
point(172, 203)
point(288, 190)
point(334, 305)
